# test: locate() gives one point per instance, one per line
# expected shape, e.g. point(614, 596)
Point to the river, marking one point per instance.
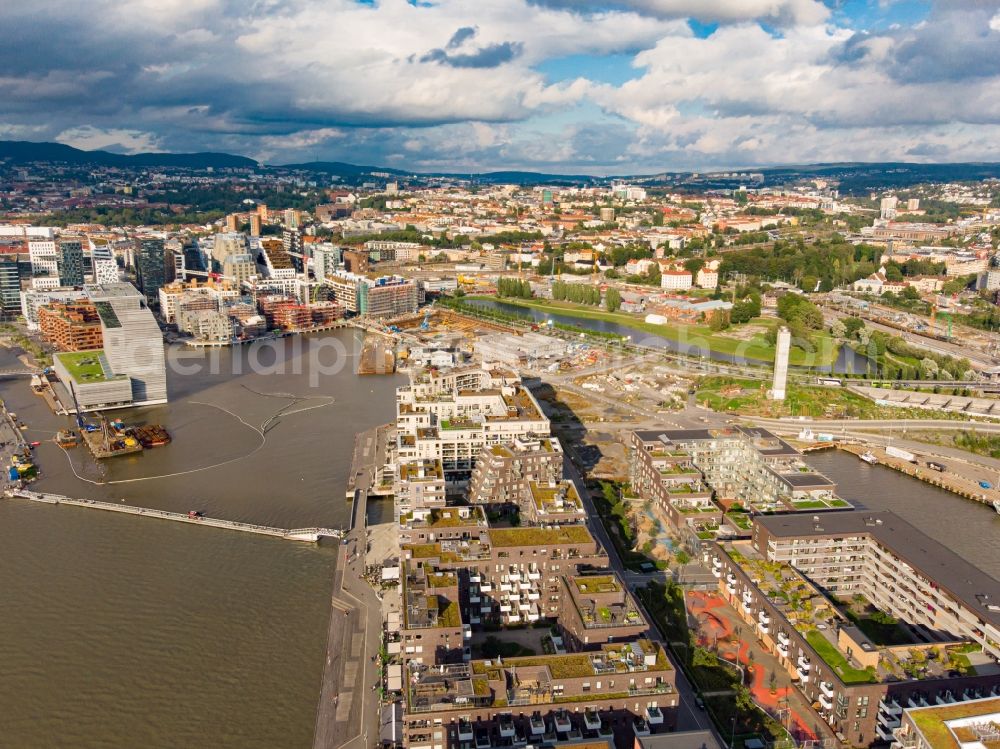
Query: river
point(120, 631)
point(847, 360)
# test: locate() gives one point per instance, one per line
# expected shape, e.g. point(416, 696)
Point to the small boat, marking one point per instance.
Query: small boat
point(869, 458)
point(986, 484)
point(34, 444)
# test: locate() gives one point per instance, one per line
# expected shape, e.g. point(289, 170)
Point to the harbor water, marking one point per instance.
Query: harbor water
point(123, 631)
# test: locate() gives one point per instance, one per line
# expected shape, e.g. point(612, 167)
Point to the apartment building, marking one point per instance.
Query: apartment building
point(597, 609)
point(749, 468)
point(386, 296)
point(70, 261)
point(503, 471)
point(71, 326)
point(938, 646)
point(973, 724)
point(453, 425)
point(621, 691)
point(44, 257)
point(418, 487)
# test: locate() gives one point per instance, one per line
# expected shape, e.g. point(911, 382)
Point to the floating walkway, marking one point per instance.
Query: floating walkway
point(295, 534)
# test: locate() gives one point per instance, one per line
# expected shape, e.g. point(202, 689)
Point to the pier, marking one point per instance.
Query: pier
point(369, 455)
point(295, 534)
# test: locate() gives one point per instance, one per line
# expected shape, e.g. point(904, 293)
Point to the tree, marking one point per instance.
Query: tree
point(612, 300)
point(693, 266)
point(719, 320)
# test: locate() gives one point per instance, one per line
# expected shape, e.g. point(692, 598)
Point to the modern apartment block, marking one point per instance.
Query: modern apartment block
point(10, 286)
point(71, 326)
point(867, 614)
point(597, 609)
point(439, 422)
point(44, 257)
point(749, 470)
point(502, 472)
point(974, 724)
point(386, 296)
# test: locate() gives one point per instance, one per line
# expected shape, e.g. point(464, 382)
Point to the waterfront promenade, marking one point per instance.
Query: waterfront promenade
point(348, 710)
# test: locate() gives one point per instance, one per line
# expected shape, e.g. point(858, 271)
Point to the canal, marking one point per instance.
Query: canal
point(968, 528)
point(121, 631)
point(847, 360)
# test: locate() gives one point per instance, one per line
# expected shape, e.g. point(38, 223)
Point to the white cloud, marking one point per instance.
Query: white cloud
point(127, 141)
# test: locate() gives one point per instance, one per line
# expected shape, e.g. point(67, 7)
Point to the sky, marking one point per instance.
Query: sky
point(568, 86)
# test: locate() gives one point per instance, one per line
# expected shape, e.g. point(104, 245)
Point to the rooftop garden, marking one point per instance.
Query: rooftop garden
point(423, 551)
point(450, 517)
point(442, 580)
point(932, 722)
point(569, 666)
point(448, 613)
point(740, 520)
point(566, 534)
point(86, 366)
point(597, 584)
point(838, 661)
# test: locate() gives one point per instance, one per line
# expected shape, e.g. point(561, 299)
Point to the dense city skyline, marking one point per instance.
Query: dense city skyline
point(557, 85)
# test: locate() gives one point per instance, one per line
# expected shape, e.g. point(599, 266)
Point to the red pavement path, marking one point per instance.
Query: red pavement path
point(718, 631)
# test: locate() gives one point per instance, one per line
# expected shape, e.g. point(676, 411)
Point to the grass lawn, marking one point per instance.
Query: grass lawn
point(84, 366)
point(836, 660)
point(755, 348)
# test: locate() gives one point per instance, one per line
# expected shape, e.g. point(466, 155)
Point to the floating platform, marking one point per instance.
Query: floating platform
point(112, 445)
point(377, 357)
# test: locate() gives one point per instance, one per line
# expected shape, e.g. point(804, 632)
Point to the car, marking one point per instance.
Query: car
point(699, 702)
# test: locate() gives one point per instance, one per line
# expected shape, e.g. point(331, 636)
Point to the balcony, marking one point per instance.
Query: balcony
point(826, 688)
point(782, 649)
point(591, 720)
point(731, 588)
point(537, 725)
point(476, 579)
point(882, 733)
point(483, 739)
point(891, 707)
point(486, 587)
point(534, 575)
point(826, 702)
point(888, 722)
point(641, 727)
point(506, 725)
point(563, 722)
point(465, 732)
point(654, 716)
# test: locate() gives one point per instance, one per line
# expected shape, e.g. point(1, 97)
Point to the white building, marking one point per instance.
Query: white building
point(708, 278)
point(44, 256)
point(675, 280)
point(781, 352)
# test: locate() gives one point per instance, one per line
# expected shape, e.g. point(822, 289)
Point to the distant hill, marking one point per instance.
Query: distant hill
point(24, 152)
point(342, 169)
point(853, 178)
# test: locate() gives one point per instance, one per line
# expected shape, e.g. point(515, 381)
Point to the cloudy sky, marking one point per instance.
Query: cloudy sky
point(567, 85)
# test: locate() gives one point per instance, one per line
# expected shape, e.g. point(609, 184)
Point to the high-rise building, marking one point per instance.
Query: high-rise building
point(326, 258)
point(150, 266)
point(239, 268)
point(133, 344)
point(781, 351)
point(255, 225)
point(10, 286)
point(232, 222)
point(887, 207)
point(104, 264)
point(291, 218)
point(229, 243)
point(262, 211)
point(44, 257)
point(70, 262)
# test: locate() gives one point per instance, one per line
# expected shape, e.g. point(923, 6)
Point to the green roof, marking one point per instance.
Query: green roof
point(87, 366)
point(565, 534)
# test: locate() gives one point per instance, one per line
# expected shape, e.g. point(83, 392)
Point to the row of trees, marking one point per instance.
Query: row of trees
point(825, 264)
point(513, 287)
point(576, 292)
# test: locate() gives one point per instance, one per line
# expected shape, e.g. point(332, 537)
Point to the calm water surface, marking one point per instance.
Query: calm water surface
point(968, 528)
point(117, 631)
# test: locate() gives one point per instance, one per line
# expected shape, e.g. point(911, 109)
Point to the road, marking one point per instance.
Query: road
point(689, 718)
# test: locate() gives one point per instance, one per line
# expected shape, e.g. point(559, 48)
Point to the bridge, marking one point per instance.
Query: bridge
point(296, 534)
point(19, 372)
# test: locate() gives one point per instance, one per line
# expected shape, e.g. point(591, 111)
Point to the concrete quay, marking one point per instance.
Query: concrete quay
point(348, 704)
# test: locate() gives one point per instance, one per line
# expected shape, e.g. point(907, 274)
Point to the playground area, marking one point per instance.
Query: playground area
point(718, 628)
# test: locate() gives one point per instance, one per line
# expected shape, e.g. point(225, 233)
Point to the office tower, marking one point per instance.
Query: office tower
point(781, 364)
point(44, 257)
point(133, 344)
point(150, 267)
point(71, 262)
point(10, 287)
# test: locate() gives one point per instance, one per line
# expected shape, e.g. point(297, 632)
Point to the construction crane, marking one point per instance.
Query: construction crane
point(76, 405)
point(426, 324)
